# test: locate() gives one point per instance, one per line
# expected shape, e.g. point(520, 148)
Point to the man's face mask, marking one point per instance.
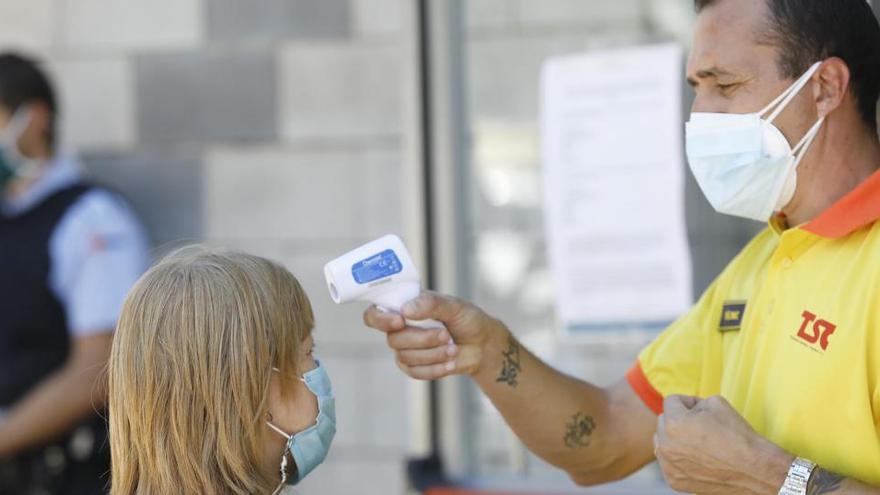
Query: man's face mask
point(12, 162)
point(309, 447)
point(742, 162)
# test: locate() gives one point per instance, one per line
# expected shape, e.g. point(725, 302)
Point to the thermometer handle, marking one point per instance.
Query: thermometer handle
point(425, 324)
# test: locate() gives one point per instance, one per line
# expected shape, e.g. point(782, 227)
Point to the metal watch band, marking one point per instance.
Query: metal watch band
point(798, 477)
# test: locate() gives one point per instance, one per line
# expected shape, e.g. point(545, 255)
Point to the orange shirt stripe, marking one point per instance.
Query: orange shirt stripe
point(643, 388)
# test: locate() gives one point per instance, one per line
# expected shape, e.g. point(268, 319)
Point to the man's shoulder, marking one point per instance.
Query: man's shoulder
point(100, 206)
point(100, 215)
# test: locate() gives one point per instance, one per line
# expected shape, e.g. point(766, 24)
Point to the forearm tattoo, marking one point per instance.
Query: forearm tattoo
point(579, 431)
point(823, 481)
point(510, 367)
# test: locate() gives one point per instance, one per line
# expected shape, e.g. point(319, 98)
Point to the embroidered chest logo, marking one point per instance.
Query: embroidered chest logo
point(815, 331)
point(732, 316)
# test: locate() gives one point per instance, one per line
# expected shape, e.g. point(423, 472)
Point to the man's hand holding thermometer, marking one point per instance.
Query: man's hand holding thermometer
point(432, 335)
point(567, 422)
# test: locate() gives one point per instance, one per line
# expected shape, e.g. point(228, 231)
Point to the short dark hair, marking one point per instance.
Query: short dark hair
point(807, 31)
point(22, 82)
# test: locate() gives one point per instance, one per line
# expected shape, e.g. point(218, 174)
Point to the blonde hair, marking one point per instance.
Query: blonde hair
point(190, 368)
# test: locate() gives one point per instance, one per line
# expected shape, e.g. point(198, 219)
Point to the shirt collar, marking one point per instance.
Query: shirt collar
point(62, 171)
point(859, 208)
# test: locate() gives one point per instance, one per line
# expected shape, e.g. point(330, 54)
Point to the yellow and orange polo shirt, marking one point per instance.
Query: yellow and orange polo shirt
point(789, 333)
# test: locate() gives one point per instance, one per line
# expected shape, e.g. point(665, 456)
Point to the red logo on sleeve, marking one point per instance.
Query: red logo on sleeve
point(815, 331)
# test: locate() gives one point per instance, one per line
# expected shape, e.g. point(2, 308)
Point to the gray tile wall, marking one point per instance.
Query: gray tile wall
point(125, 26)
point(206, 97)
point(239, 20)
point(271, 126)
point(337, 90)
point(165, 189)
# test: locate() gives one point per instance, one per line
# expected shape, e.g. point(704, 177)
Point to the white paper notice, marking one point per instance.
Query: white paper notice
point(614, 188)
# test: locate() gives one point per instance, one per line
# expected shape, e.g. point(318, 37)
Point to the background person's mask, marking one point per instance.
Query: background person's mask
point(12, 163)
point(742, 162)
point(309, 447)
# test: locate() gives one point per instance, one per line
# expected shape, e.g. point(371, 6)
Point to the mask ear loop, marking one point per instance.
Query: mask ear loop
point(801, 148)
point(284, 458)
point(19, 122)
point(300, 378)
point(14, 130)
point(278, 430)
point(783, 100)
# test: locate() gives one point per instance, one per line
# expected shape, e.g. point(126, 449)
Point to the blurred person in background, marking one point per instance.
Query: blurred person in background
point(771, 383)
point(69, 252)
point(213, 380)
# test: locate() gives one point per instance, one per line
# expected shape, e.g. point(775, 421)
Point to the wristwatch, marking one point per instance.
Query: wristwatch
point(798, 477)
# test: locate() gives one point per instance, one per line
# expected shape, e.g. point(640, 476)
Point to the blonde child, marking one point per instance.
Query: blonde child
point(213, 382)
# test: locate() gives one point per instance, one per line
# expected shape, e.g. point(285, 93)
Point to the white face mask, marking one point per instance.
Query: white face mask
point(742, 162)
point(13, 163)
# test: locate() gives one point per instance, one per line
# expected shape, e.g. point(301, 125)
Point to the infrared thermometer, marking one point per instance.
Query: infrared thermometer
point(380, 272)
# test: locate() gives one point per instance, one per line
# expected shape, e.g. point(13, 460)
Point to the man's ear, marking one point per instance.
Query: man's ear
point(831, 85)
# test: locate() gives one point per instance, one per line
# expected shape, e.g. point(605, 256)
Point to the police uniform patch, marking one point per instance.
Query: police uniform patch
point(732, 316)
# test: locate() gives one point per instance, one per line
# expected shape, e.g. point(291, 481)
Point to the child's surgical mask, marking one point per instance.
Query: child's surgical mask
point(309, 447)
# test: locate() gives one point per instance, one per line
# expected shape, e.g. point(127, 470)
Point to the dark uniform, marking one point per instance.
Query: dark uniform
point(73, 243)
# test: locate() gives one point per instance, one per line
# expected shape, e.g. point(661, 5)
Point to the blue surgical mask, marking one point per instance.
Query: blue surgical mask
point(742, 162)
point(309, 447)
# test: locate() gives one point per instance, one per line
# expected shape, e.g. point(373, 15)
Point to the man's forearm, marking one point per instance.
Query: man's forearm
point(50, 409)
point(563, 420)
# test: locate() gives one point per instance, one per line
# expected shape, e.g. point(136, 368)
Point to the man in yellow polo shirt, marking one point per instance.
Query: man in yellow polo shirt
point(771, 384)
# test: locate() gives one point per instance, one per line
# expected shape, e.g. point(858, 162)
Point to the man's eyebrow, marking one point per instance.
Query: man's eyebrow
point(710, 72)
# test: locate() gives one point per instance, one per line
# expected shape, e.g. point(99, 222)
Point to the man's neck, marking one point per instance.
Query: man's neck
point(20, 185)
point(834, 170)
